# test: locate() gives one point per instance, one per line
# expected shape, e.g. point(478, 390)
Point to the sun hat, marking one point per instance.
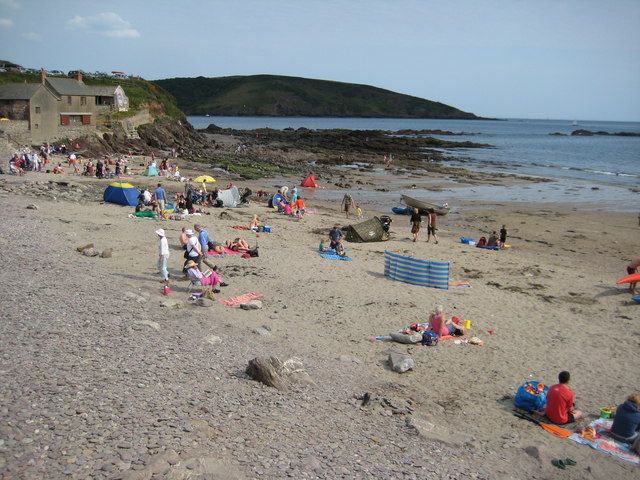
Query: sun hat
point(190, 264)
point(160, 232)
point(188, 231)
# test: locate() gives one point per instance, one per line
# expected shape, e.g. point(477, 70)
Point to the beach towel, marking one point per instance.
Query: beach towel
point(234, 301)
point(330, 256)
point(226, 250)
point(146, 214)
point(605, 443)
point(239, 227)
point(416, 272)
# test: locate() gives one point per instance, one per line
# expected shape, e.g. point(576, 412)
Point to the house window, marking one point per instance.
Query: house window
point(83, 100)
point(68, 100)
point(37, 109)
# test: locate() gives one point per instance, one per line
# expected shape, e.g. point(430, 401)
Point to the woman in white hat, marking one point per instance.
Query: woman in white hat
point(199, 278)
point(163, 256)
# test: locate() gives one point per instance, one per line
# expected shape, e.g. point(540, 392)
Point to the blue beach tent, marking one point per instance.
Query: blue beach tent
point(122, 193)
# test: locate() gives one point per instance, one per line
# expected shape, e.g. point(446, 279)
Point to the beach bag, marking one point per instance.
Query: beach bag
point(253, 253)
point(482, 242)
point(531, 396)
point(430, 339)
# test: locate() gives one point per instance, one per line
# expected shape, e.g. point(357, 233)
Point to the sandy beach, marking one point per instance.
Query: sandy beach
point(101, 381)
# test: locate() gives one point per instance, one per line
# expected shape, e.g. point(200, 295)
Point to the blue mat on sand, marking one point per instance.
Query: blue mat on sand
point(637, 299)
point(330, 256)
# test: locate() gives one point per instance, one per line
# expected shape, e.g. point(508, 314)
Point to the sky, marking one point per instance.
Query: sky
point(547, 59)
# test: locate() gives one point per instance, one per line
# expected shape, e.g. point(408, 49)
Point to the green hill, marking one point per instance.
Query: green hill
point(274, 95)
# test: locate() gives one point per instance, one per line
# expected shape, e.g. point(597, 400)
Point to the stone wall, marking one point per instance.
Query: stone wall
point(140, 118)
point(17, 130)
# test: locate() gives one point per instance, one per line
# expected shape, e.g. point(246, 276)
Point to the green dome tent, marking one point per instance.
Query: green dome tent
point(372, 230)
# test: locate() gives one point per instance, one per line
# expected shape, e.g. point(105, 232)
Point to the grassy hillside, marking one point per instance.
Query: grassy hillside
point(141, 93)
point(292, 96)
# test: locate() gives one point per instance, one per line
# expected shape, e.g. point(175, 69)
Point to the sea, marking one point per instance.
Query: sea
point(599, 171)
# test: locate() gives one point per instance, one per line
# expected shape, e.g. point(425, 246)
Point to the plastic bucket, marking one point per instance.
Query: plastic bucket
point(605, 412)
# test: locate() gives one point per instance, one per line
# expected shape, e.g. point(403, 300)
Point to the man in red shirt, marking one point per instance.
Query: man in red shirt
point(560, 402)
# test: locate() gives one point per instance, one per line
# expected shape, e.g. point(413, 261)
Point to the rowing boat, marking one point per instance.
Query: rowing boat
point(425, 206)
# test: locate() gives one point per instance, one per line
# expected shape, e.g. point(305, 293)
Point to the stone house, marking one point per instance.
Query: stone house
point(56, 108)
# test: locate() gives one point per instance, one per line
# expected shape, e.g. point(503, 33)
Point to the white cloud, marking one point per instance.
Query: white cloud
point(5, 22)
point(108, 24)
point(30, 36)
point(10, 3)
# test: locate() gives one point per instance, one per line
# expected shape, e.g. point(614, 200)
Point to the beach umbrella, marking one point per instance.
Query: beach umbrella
point(203, 178)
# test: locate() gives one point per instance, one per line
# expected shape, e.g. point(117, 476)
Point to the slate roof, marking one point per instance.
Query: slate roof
point(18, 91)
point(69, 86)
point(102, 90)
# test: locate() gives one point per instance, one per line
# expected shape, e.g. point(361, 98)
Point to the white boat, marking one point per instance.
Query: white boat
point(425, 206)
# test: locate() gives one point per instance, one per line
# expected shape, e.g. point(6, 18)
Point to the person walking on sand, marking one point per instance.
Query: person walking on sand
point(503, 236)
point(632, 268)
point(560, 405)
point(416, 223)
point(431, 226)
point(347, 202)
point(163, 256)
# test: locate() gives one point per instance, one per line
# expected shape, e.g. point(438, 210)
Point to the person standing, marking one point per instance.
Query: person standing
point(193, 250)
point(632, 268)
point(347, 202)
point(203, 240)
point(163, 256)
point(161, 197)
point(300, 210)
point(503, 236)
point(294, 194)
point(416, 223)
point(560, 405)
point(431, 226)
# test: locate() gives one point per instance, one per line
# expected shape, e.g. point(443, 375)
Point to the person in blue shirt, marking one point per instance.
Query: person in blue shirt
point(203, 239)
point(161, 196)
point(336, 235)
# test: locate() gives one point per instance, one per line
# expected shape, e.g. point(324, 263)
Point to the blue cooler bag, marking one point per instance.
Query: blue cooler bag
point(531, 396)
point(430, 339)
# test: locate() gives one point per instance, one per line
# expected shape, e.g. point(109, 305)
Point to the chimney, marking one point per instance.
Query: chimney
point(43, 75)
point(78, 76)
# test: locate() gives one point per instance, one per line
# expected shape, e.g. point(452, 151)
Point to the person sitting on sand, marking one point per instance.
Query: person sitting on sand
point(238, 245)
point(626, 424)
point(255, 223)
point(197, 277)
point(560, 406)
point(336, 235)
point(58, 169)
point(286, 209)
point(442, 326)
point(493, 240)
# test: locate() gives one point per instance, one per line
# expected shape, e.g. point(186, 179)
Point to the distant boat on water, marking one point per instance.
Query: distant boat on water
point(575, 122)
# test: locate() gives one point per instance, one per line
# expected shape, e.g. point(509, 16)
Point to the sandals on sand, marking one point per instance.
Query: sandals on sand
point(560, 463)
